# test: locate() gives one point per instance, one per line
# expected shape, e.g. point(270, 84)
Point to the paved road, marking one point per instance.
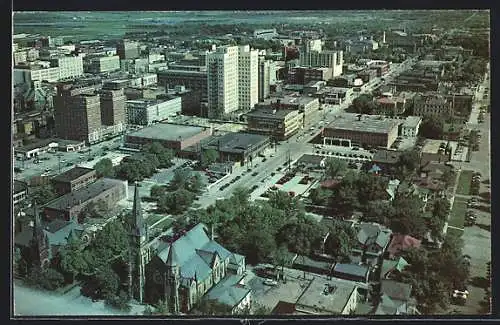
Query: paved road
point(477, 239)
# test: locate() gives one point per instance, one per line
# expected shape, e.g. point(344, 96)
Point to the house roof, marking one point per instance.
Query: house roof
point(402, 242)
point(370, 233)
point(283, 308)
point(393, 265)
point(386, 156)
point(308, 262)
point(375, 169)
point(351, 269)
point(229, 291)
point(395, 290)
point(386, 306)
point(58, 232)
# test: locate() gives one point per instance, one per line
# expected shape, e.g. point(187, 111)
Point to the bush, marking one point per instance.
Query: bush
point(120, 302)
point(48, 279)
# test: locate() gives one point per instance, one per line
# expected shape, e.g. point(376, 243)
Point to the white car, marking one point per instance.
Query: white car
point(460, 294)
point(270, 282)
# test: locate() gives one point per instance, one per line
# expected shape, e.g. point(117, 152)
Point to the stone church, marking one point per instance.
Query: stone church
point(180, 269)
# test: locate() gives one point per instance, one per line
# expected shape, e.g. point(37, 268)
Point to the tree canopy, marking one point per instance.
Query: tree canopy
point(431, 128)
point(104, 168)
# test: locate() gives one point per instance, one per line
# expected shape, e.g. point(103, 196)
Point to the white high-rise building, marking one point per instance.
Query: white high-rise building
point(222, 74)
point(326, 59)
point(264, 78)
point(69, 66)
point(248, 77)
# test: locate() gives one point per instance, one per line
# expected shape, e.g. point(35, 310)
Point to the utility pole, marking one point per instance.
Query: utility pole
point(59, 161)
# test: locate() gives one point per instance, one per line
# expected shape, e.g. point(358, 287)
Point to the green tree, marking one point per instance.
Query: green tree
point(281, 258)
point(163, 154)
point(370, 188)
point(195, 184)
point(104, 168)
point(180, 179)
point(259, 245)
point(157, 191)
point(72, 259)
point(320, 196)
point(46, 278)
point(378, 211)
point(432, 128)
point(176, 202)
point(334, 167)
point(43, 194)
point(283, 201)
point(132, 171)
point(209, 157)
point(408, 163)
point(211, 307)
point(363, 104)
point(120, 301)
point(449, 177)
point(108, 283)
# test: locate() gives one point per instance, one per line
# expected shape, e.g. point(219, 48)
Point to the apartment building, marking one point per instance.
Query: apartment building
point(223, 91)
point(127, 50)
point(264, 78)
point(77, 113)
point(113, 109)
point(248, 77)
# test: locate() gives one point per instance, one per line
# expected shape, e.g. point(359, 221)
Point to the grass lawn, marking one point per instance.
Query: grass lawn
point(454, 232)
point(152, 218)
point(457, 217)
point(464, 181)
point(165, 224)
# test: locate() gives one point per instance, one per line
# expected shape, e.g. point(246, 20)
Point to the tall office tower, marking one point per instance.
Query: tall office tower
point(113, 108)
point(222, 74)
point(126, 50)
point(77, 113)
point(323, 59)
point(248, 77)
point(264, 78)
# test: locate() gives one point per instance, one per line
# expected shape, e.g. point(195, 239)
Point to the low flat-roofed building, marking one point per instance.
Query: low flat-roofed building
point(20, 191)
point(34, 149)
point(332, 297)
point(73, 179)
point(277, 123)
point(366, 130)
point(410, 126)
point(437, 151)
point(69, 206)
point(333, 95)
point(70, 145)
point(173, 136)
point(351, 272)
point(238, 146)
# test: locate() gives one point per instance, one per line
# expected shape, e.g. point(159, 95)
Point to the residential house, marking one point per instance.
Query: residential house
point(392, 187)
point(308, 264)
point(400, 242)
point(395, 299)
point(386, 160)
point(372, 242)
point(410, 189)
point(390, 267)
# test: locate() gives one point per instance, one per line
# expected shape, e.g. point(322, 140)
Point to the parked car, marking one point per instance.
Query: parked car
point(270, 282)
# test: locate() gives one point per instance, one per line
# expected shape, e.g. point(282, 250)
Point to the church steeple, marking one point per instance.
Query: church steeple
point(37, 223)
point(139, 228)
